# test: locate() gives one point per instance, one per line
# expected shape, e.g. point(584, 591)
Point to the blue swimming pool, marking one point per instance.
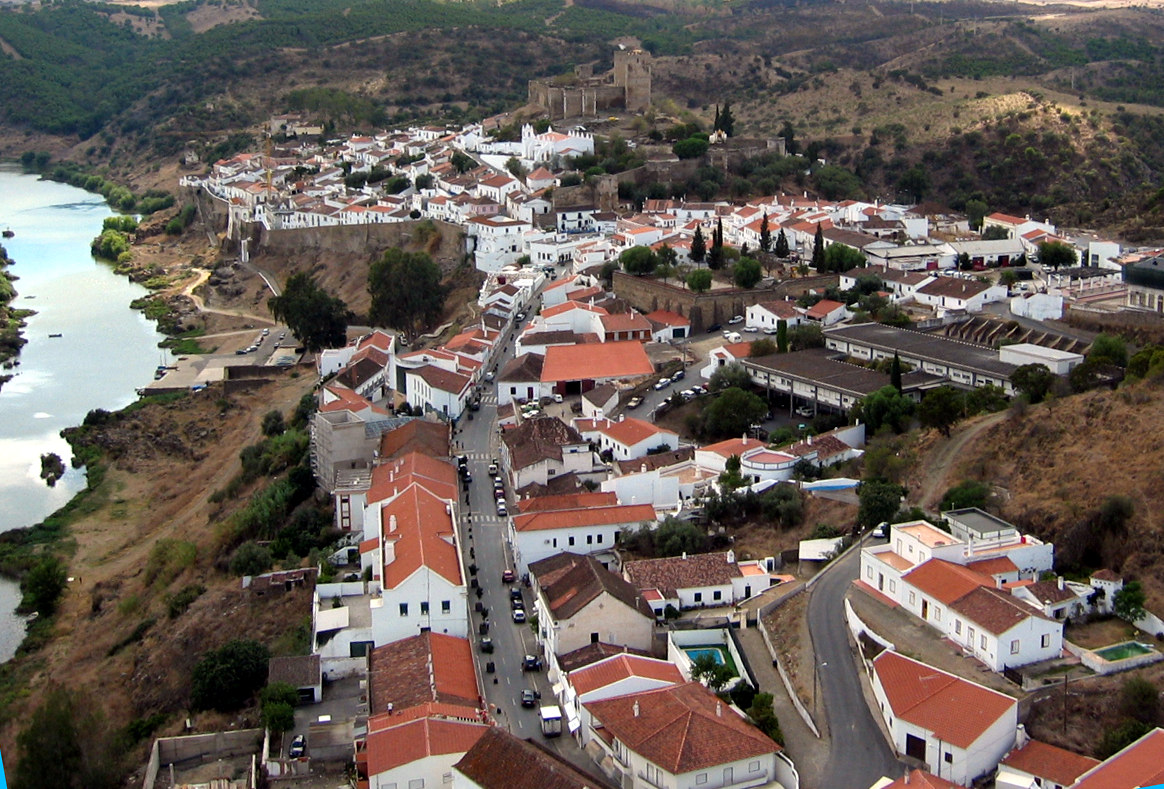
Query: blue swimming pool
point(842, 483)
point(715, 652)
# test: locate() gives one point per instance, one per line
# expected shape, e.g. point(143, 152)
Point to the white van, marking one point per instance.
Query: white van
point(734, 336)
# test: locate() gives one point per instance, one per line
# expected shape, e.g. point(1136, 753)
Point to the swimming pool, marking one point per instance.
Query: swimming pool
point(1124, 651)
point(841, 483)
point(715, 652)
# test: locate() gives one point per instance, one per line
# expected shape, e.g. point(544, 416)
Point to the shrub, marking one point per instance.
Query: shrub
point(250, 559)
point(43, 586)
point(226, 678)
point(177, 603)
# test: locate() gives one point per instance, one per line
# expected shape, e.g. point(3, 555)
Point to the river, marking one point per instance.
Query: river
point(104, 352)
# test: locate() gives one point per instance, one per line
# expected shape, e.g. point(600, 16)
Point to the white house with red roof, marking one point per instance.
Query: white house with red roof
point(572, 369)
point(696, 580)
point(539, 535)
point(549, 144)
point(411, 546)
point(682, 736)
point(625, 438)
point(611, 677)
point(959, 729)
point(498, 187)
point(415, 749)
point(332, 360)
point(827, 312)
point(714, 457)
point(436, 389)
point(667, 326)
point(1042, 765)
point(1016, 226)
point(766, 315)
point(1139, 764)
point(959, 295)
point(725, 355)
point(541, 178)
point(496, 241)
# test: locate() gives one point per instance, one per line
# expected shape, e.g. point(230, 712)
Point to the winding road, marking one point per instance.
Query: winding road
point(859, 754)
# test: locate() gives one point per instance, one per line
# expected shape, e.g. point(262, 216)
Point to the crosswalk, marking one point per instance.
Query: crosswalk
point(489, 399)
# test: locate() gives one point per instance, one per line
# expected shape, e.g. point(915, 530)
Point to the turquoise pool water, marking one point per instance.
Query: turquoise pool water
point(715, 652)
point(1123, 651)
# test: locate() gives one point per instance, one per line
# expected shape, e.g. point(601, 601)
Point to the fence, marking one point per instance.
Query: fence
point(203, 747)
point(800, 708)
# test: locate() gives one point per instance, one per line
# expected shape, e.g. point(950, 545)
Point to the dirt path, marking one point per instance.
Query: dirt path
point(200, 303)
point(940, 462)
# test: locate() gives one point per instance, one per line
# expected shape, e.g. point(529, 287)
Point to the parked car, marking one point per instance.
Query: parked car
point(516, 602)
point(700, 389)
point(751, 329)
point(803, 411)
point(688, 394)
point(493, 468)
point(518, 616)
point(502, 510)
point(529, 698)
point(508, 576)
point(558, 398)
point(679, 375)
point(487, 645)
point(736, 319)
point(713, 328)
point(634, 402)
point(298, 747)
point(531, 663)
point(489, 376)
point(662, 383)
point(462, 460)
point(771, 330)
point(881, 530)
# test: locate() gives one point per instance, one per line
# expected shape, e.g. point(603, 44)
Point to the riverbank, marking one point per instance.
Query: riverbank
point(12, 321)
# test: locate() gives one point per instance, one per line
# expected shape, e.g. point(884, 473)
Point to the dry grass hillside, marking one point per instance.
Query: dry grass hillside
point(1055, 465)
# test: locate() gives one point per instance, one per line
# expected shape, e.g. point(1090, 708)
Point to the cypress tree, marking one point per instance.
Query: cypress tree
point(698, 246)
point(818, 256)
point(782, 336)
point(782, 245)
point(765, 234)
point(895, 372)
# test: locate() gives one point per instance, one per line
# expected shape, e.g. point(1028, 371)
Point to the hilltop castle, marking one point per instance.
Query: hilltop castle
point(627, 86)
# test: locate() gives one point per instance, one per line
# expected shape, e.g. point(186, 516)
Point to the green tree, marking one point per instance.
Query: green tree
point(1140, 700)
point(251, 559)
point(878, 501)
point(765, 234)
point(1033, 380)
point(727, 376)
point(317, 318)
point(995, 233)
point(966, 494)
point(885, 407)
point(837, 183)
point(782, 336)
point(715, 255)
point(808, 335)
point(782, 250)
point(731, 478)
point(515, 168)
point(733, 412)
point(673, 537)
point(226, 678)
point(273, 424)
point(941, 408)
point(1128, 602)
point(975, 213)
point(724, 120)
point(708, 670)
point(406, 290)
point(842, 257)
point(818, 255)
point(764, 717)
point(915, 182)
point(1054, 254)
point(895, 372)
point(67, 744)
point(278, 716)
point(463, 162)
point(691, 148)
point(747, 273)
point(639, 261)
point(762, 347)
point(1109, 350)
point(698, 247)
point(699, 280)
point(43, 585)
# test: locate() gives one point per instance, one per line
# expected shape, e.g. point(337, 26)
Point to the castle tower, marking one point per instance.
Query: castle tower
point(632, 73)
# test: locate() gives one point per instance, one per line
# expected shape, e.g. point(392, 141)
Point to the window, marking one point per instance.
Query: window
point(446, 606)
point(416, 783)
point(754, 767)
point(982, 641)
point(701, 779)
point(948, 757)
point(937, 614)
point(1045, 641)
point(717, 595)
point(912, 598)
point(424, 608)
point(869, 572)
point(699, 597)
point(970, 636)
point(589, 539)
point(571, 540)
point(404, 609)
point(555, 542)
point(599, 540)
point(892, 585)
point(958, 626)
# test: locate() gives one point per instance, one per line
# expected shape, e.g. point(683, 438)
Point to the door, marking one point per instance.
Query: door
point(915, 747)
point(880, 582)
point(727, 776)
point(925, 608)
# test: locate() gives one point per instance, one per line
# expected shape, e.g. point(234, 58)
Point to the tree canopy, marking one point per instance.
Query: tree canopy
point(878, 502)
point(727, 376)
point(1033, 380)
point(699, 280)
point(747, 273)
point(317, 318)
point(1053, 254)
point(886, 407)
point(941, 408)
point(733, 412)
point(639, 261)
point(406, 290)
point(226, 678)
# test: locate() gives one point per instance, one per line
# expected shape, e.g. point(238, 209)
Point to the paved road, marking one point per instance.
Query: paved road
point(859, 753)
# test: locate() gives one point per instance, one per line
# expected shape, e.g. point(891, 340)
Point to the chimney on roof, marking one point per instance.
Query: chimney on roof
point(905, 780)
point(621, 417)
point(391, 523)
point(998, 583)
point(643, 467)
point(635, 709)
point(719, 709)
point(1061, 583)
point(685, 555)
point(810, 440)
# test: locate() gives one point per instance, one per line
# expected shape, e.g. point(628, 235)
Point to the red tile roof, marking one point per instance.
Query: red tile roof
point(569, 582)
point(567, 501)
point(918, 779)
point(559, 309)
point(681, 728)
point(994, 611)
point(404, 743)
point(733, 446)
point(424, 538)
point(443, 380)
point(999, 565)
point(417, 435)
point(672, 573)
point(620, 667)
point(953, 709)
point(823, 308)
point(1140, 764)
point(781, 309)
point(591, 516)
point(499, 760)
point(739, 350)
point(954, 288)
point(668, 318)
point(625, 322)
point(1007, 218)
point(631, 431)
point(945, 581)
point(1050, 763)
point(598, 361)
point(435, 475)
point(430, 667)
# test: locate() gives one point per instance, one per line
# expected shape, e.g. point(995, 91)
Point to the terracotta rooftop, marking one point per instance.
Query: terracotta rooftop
point(600, 395)
point(398, 744)
point(624, 322)
point(569, 582)
point(918, 779)
point(539, 439)
point(823, 308)
point(1050, 763)
point(527, 367)
point(430, 667)
point(435, 475)
point(925, 533)
point(1049, 592)
point(785, 310)
point(417, 435)
point(681, 729)
point(681, 572)
point(652, 462)
point(998, 565)
point(498, 760)
point(667, 318)
point(442, 379)
point(994, 611)
point(1140, 764)
point(592, 653)
point(424, 537)
point(1105, 575)
point(825, 446)
point(953, 709)
point(597, 361)
point(567, 501)
point(615, 669)
point(954, 288)
point(589, 516)
point(945, 581)
point(298, 671)
point(733, 446)
point(631, 431)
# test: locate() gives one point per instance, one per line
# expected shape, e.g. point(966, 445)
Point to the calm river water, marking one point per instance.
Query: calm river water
point(105, 351)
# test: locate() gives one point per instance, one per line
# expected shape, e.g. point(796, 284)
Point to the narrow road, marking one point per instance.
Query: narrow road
point(859, 754)
point(937, 480)
point(200, 302)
